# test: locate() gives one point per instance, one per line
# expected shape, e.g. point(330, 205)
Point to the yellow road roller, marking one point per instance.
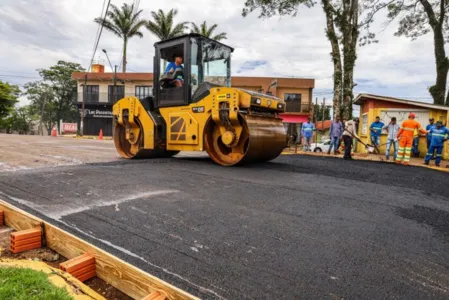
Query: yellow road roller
point(194, 108)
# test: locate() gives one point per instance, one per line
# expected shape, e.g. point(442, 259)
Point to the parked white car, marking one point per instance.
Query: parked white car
point(323, 146)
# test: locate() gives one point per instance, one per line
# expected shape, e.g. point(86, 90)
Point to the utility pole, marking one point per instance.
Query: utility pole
point(316, 121)
point(82, 105)
point(41, 129)
point(324, 109)
point(115, 85)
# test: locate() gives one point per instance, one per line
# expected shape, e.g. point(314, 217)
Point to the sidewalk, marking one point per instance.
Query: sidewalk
point(414, 161)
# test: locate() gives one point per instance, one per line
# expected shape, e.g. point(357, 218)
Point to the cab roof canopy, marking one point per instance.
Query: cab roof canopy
point(171, 49)
point(193, 35)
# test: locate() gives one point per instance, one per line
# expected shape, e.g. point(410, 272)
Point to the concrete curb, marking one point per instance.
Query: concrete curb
point(86, 137)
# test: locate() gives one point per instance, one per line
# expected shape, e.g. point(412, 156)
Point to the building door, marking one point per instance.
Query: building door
point(93, 125)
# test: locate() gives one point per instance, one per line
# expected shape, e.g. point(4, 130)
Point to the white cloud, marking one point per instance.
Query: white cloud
point(35, 34)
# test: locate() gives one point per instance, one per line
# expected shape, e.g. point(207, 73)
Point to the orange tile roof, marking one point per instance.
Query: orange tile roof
point(263, 82)
point(327, 125)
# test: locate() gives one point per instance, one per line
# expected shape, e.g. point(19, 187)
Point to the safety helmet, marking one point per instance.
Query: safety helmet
point(412, 115)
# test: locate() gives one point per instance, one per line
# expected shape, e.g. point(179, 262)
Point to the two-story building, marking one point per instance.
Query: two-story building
point(96, 95)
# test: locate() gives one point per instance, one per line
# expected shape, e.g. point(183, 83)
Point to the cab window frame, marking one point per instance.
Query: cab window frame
point(185, 42)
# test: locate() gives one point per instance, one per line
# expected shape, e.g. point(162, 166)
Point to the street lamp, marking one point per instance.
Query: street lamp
point(105, 52)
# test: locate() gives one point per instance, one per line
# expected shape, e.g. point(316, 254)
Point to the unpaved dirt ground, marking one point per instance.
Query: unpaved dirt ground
point(21, 152)
point(24, 152)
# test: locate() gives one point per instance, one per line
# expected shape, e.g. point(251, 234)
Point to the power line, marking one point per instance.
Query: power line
point(99, 25)
point(99, 36)
point(18, 76)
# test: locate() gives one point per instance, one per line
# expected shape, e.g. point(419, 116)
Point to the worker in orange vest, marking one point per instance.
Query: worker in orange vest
point(405, 137)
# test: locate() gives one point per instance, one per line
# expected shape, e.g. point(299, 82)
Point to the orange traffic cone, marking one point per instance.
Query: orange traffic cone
point(100, 136)
point(53, 131)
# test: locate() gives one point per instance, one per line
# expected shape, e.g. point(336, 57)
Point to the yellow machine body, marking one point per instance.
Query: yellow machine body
point(186, 127)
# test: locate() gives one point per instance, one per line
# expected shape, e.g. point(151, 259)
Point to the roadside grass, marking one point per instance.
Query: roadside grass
point(27, 284)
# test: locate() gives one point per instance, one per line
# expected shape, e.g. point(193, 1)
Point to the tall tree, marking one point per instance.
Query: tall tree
point(125, 23)
point(42, 99)
point(208, 31)
point(343, 32)
point(8, 98)
point(417, 18)
point(162, 25)
point(59, 78)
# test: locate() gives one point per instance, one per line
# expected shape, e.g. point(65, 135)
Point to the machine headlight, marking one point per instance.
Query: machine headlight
point(258, 101)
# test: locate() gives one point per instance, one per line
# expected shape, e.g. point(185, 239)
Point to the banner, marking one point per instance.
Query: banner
point(69, 127)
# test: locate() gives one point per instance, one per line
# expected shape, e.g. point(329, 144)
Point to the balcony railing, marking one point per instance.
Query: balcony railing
point(298, 107)
point(104, 98)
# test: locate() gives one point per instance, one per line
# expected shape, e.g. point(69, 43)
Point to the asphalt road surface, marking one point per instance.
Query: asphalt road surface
point(300, 227)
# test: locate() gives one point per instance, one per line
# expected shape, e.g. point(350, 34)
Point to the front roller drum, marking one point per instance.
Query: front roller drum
point(134, 149)
point(262, 139)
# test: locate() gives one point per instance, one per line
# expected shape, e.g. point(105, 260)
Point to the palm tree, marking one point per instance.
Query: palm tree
point(208, 32)
point(162, 24)
point(123, 22)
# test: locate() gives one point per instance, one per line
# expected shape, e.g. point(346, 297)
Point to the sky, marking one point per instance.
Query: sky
point(37, 33)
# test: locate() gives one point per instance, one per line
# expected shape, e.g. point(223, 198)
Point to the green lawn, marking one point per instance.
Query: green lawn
point(27, 284)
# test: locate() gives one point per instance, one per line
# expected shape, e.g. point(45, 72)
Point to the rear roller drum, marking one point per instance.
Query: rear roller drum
point(262, 139)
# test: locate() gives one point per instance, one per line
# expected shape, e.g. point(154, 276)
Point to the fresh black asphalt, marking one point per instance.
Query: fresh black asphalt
point(299, 227)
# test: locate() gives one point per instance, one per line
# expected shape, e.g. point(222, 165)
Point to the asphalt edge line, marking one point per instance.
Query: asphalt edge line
point(441, 169)
point(116, 272)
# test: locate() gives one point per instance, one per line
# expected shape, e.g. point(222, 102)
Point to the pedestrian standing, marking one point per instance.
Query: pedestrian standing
point(392, 128)
point(429, 134)
point(376, 130)
point(349, 132)
point(405, 137)
point(440, 134)
point(307, 132)
point(336, 130)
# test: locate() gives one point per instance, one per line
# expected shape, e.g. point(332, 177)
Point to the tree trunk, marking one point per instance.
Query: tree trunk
point(436, 22)
point(336, 56)
point(125, 44)
point(439, 89)
point(350, 37)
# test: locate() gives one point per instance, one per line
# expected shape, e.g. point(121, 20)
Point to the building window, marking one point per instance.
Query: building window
point(119, 93)
point(364, 124)
point(143, 91)
point(91, 93)
point(292, 102)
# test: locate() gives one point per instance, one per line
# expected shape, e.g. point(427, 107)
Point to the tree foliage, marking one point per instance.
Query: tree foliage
point(19, 120)
point(64, 90)
point(42, 100)
point(162, 25)
point(125, 23)
point(8, 98)
point(343, 27)
point(318, 112)
point(208, 31)
point(418, 18)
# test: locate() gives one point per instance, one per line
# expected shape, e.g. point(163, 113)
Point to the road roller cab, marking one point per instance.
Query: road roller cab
point(194, 108)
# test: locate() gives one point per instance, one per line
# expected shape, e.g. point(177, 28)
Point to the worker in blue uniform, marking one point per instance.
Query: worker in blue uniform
point(376, 130)
point(440, 134)
point(307, 132)
point(429, 135)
